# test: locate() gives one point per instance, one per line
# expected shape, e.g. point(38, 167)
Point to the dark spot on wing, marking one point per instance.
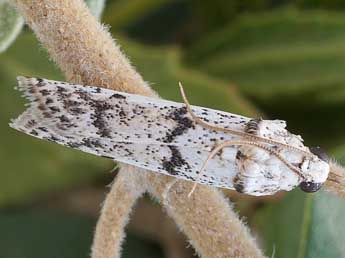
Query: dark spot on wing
point(64, 119)
point(31, 123)
point(43, 129)
point(91, 143)
point(46, 114)
point(176, 161)
point(252, 126)
point(41, 107)
point(32, 90)
point(117, 96)
point(52, 138)
point(49, 101)
point(61, 90)
point(240, 155)
point(88, 142)
point(99, 107)
point(54, 109)
point(238, 184)
point(68, 104)
point(40, 83)
point(183, 124)
point(44, 92)
point(74, 145)
point(72, 106)
point(268, 175)
point(100, 122)
point(34, 132)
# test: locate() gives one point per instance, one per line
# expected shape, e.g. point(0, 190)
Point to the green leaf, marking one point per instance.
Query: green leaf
point(339, 153)
point(55, 234)
point(11, 24)
point(44, 234)
point(283, 51)
point(121, 13)
point(96, 7)
point(304, 225)
point(285, 61)
point(280, 225)
point(327, 228)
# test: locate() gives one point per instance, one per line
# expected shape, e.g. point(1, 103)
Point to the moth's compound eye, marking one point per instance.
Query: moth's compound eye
point(320, 153)
point(310, 187)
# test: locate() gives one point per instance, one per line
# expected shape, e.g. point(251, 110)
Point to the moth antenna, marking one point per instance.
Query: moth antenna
point(231, 143)
point(243, 134)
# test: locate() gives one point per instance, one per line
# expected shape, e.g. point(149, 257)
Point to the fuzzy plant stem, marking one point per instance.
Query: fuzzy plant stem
point(336, 179)
point(115, 214)
point(207, 218)
point(87, 54)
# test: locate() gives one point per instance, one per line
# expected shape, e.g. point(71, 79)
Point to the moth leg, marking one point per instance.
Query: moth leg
point(239, 133)
point(197, 119)
point(214, 152)
point(219, 147)
point(220, 151)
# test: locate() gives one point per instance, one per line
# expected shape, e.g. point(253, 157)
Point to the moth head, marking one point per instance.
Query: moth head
point(315, 170)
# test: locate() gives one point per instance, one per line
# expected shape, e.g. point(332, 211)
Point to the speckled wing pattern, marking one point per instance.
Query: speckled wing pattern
point(154, 134)
point(163, 136)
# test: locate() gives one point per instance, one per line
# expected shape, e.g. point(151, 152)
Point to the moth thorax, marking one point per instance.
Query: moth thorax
point(253, 126)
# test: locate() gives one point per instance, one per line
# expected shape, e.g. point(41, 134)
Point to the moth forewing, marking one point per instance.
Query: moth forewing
point(163, 136)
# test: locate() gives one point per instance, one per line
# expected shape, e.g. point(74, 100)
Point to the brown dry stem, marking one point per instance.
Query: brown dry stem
point(87, 54)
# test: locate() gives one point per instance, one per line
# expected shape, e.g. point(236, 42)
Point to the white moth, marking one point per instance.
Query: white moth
point(253, 156)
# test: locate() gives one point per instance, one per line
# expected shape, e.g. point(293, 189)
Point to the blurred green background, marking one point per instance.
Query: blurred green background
point(271, 58)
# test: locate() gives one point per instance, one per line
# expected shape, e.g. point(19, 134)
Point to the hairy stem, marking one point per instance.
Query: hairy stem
point(115, 214)
point(87, 54)
point(214, 229)
point(336, 179)
point(80, 45)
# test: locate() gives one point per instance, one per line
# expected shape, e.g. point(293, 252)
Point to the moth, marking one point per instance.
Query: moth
point(206, 146)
